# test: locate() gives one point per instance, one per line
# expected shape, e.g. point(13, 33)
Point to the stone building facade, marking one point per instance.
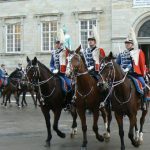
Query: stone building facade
point(28, 27)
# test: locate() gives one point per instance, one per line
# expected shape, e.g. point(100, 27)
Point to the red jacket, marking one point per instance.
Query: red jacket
point(139, 62)
point(102, 52)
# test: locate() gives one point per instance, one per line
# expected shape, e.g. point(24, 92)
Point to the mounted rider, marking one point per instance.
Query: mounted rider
point(21, 74)
point(93, 53)
point(58, 65)
point(3, 77)
point(132, 60)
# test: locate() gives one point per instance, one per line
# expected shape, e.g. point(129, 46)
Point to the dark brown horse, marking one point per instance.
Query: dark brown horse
point(11, 87)
point(124, 99)
point(50, 95)
point(87, 96)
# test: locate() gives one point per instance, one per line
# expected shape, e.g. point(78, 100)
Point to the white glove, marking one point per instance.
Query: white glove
point(55, 71)
point(90, 68)
point(126, 70)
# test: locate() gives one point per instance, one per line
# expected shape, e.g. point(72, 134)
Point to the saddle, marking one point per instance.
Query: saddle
point(3, 82)
point(137, 84)
point(139, 88)
point(64, 86)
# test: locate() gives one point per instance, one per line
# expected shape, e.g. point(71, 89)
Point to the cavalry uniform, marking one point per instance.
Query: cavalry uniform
point(58, 65)
point(134, 62)
point(92, 56)
point(3, 78)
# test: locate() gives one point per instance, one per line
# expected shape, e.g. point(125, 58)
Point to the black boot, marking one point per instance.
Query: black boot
point(68, 101)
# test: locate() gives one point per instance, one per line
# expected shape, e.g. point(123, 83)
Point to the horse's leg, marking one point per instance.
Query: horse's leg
point(95, 126)
point(57, 113)
point(142, 120)
point(7, 99)
point(105, 118)
point(133, 121)
point(16, 95)
point(34, 100)
point(119, 119)
point(136, 132)
point(82, 116)
point(74, 124)
point(46, 114)
point(108, 108)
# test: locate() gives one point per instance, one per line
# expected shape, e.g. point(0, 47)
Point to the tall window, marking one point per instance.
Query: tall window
point(85, 31)
point(49, 33)
point(13, 38)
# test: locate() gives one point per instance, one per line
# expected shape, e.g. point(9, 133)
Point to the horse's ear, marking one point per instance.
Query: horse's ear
point(28, 60)
point(35, 60)
point(68, 50)
point(78, 49)
point(111, 56)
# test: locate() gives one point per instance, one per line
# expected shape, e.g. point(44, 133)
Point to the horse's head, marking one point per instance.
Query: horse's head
point(107, 71)
point(77, 62)
point(32, 70)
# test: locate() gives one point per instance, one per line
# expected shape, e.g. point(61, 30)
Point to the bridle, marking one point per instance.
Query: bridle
point(80, 74)
point(113, 83)
point(37, 74)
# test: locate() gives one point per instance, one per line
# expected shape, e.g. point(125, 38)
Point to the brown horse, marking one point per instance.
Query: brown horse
point(124, 99)
point(87, 96)
point(50, 95)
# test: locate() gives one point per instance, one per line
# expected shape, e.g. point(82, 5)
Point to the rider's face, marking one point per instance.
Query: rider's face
point(92, 43)
point(128, 46)
point(58, 45)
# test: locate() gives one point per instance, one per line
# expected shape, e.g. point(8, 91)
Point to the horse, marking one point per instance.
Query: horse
point(25, 87)
point(50, 95)
point(125, 99)
point(87, 96)
point(11, 87)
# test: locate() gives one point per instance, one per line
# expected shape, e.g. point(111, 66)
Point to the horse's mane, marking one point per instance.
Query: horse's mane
point(43, 66)
point(13, 73)
point(83, 59)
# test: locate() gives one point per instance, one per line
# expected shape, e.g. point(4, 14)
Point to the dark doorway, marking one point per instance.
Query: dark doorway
point(146, 50)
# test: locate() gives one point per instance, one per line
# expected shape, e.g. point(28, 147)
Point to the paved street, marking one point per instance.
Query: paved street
point(24, 129)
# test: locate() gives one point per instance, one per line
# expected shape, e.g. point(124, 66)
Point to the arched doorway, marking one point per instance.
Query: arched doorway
point(144, 38)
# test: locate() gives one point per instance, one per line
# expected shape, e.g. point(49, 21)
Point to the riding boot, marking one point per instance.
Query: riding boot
point(68, 101)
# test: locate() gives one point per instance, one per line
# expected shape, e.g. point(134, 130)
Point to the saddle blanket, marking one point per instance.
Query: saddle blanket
point(63, 85)
point(139, 88)
point(3, 82)
point(137, 84)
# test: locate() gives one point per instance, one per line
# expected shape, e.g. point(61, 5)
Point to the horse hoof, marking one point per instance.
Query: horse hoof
point(100, 138)
point(48, 144)
point(135, 144)
point(106, 137)
point(72, 135)
point(83, 148)
point(140, 142)
point(62, 135)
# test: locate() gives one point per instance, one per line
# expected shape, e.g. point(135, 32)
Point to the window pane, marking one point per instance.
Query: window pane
point(145, 30)
point(17, 28)
point(83, 24)
point(86, 30)
point(49, 33)
point(46, 27)
point(13, 38)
